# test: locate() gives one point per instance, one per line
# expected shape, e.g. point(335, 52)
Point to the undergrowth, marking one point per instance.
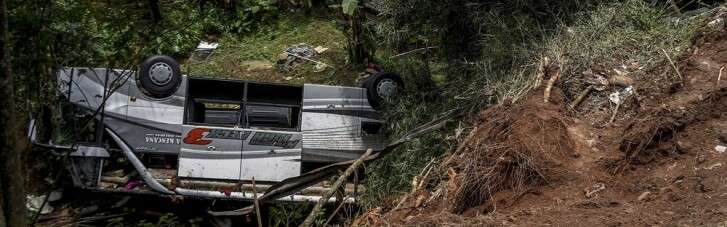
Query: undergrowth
point(252, 55)
point(611, 34)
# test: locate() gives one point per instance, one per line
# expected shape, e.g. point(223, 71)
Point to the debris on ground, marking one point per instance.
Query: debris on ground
point(204, 51)
point(296, 55)
point(34, 204)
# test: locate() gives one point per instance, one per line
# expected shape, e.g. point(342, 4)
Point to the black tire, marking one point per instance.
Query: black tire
point(382, 86)
point(160, 75)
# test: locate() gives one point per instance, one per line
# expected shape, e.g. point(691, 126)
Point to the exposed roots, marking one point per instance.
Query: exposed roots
point(513, 148)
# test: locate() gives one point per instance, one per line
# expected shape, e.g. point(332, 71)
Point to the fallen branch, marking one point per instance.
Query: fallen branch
point(672, 65)
point(413, 51)
point(615, 111)
point(554, 73)
point(304, 58)
point(319, 206)
point(580, 97)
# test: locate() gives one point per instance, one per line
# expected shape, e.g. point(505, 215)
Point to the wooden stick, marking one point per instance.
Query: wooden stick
point(256, 204)
point(319, 206)
point(413, 51)
point(583, 94)
point(548, 87)
point(334, 213)
point(672, 65)
point(304, 58)
point(615, 111)
point(719, 76)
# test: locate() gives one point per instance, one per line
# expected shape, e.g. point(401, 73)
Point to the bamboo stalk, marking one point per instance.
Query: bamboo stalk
point(673, 65)
point(257, 204)
point(319, 206)
point(580, 97)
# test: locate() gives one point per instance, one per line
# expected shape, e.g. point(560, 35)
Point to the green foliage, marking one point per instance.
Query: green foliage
point(238, 17)
point(166, 220)
point(290, 214)
point(349, 6)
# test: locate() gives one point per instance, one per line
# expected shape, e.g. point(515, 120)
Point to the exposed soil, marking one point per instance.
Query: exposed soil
point(535, 163)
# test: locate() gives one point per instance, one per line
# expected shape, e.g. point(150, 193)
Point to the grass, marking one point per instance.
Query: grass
point(236, 54)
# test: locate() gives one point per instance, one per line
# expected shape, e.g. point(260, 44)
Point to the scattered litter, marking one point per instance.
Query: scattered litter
point(55, 196)
point(204, 51)
point(714, 22)
point(320, 49)
point(34, 202)
point(616, 97)
point(132, 185)
point(319, 67)
point(597, 188)
point(720, 148)
point(294, 56)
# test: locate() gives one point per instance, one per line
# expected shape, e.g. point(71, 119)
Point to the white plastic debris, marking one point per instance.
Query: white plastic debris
point(714, 22)
point(720, 148)
point(34, 202)
point(55, 196)
point(204, 51)
point(615, 98)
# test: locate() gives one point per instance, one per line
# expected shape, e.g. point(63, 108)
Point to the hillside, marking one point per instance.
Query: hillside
point(530, 163)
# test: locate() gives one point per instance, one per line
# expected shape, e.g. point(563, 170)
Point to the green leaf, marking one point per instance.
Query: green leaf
point(349, 6)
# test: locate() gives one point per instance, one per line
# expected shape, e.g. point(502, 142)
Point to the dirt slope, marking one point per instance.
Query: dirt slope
point(532, 163)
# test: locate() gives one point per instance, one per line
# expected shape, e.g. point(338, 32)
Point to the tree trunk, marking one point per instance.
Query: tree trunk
point(156, 14)
point(12, 142)
point(357, 43)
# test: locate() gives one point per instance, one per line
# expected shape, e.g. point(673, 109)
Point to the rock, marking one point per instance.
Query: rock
point(720, 131)
point(409, 218)
point(283, 56)
point(701, 159)
point(643, 195)
point(720, 149)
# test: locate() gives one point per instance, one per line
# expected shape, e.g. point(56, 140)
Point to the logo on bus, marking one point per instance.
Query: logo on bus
point(204, 136)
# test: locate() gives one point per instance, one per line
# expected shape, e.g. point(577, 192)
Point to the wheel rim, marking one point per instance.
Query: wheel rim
point(160, 73)
point(386, 88)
